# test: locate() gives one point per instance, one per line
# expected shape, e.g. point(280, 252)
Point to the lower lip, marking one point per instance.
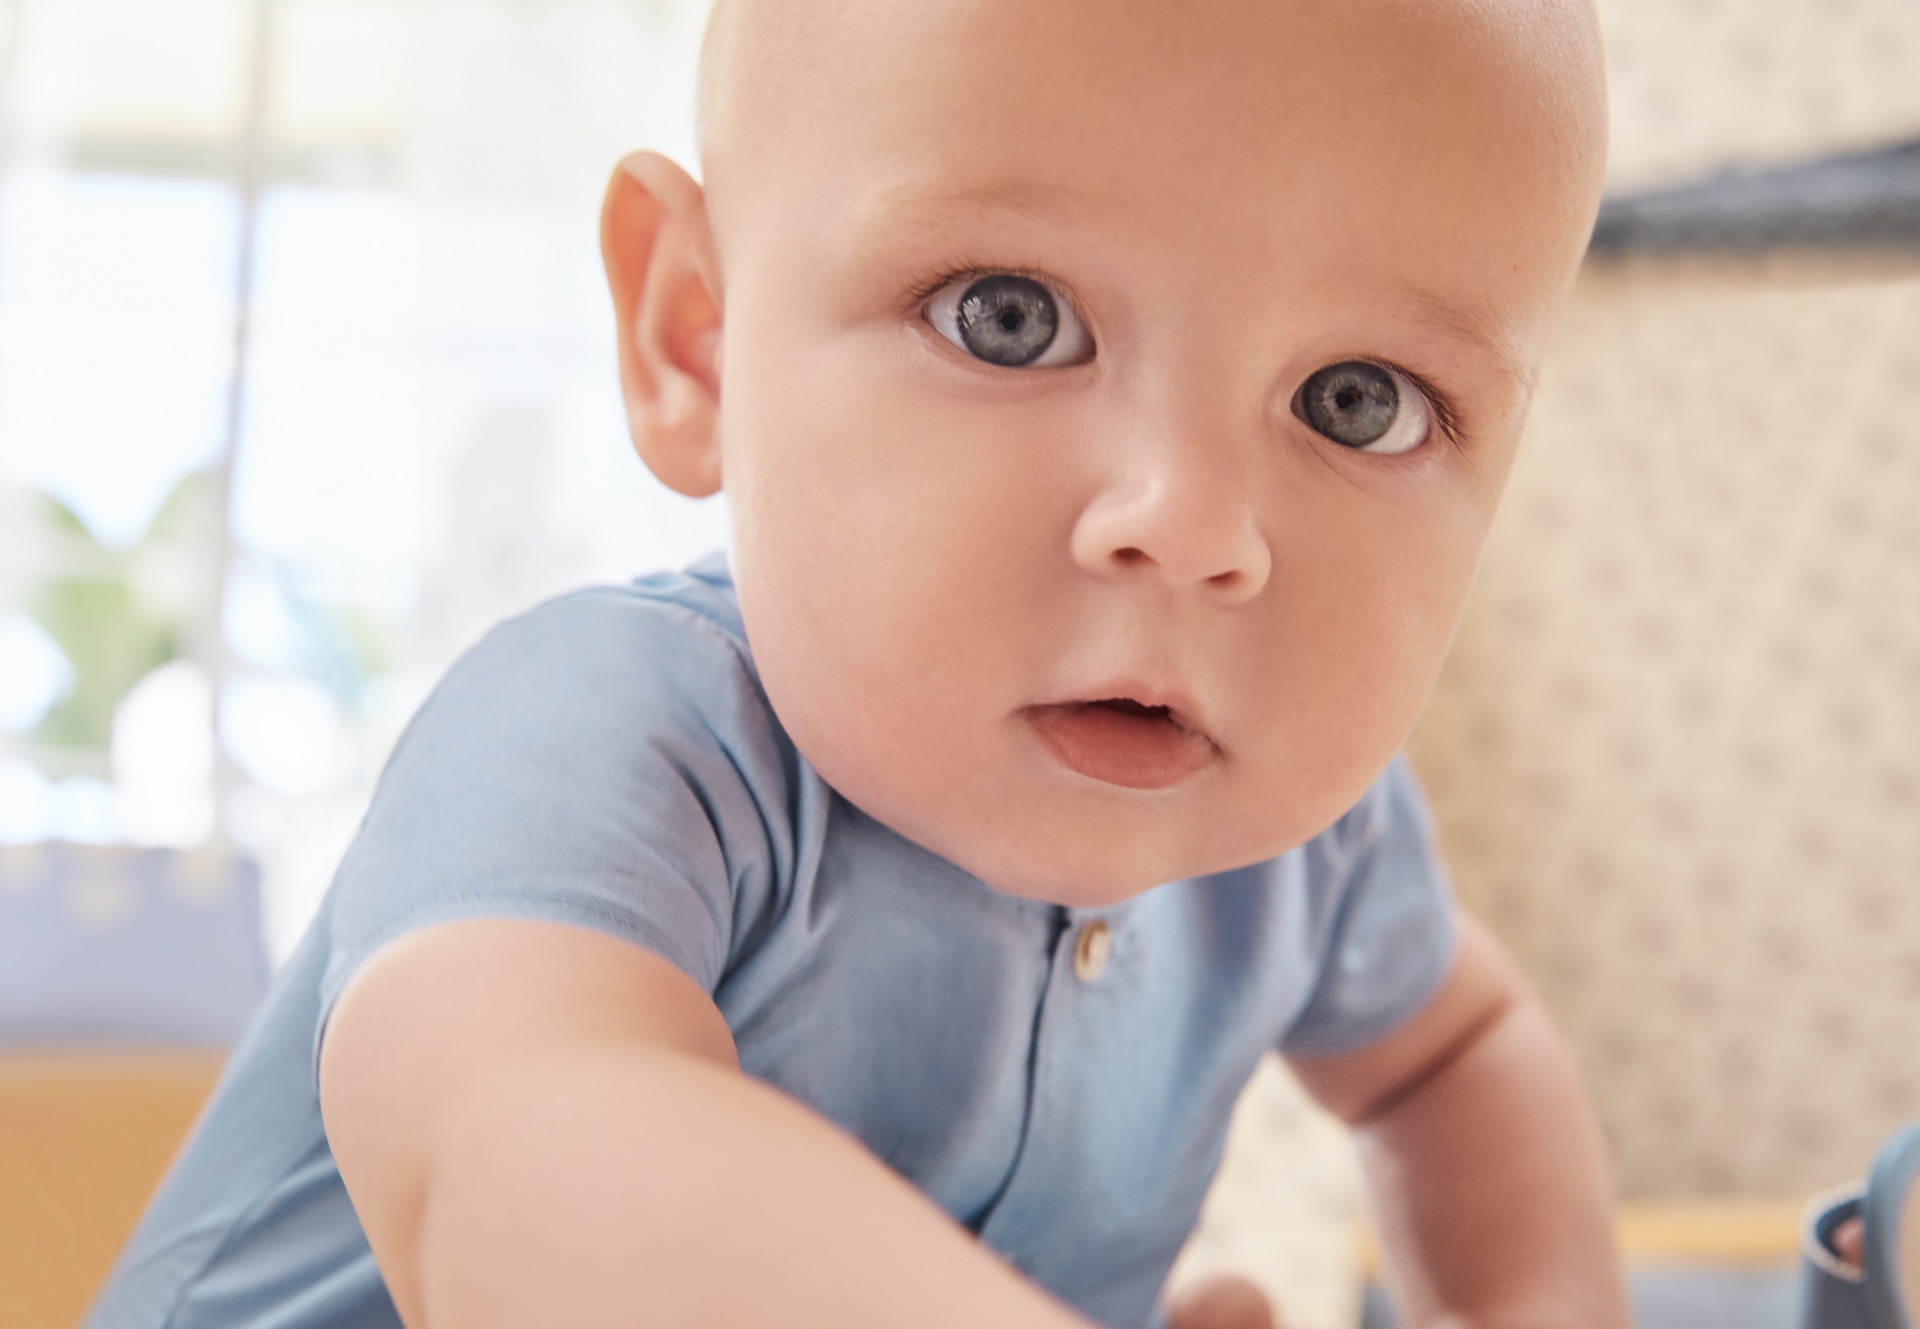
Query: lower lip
point(1132, 751)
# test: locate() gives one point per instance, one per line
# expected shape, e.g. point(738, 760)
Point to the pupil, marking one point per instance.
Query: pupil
point(1353, 403)
point(1007, 320)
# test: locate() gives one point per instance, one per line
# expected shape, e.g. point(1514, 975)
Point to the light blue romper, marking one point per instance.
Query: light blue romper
point(609, 760)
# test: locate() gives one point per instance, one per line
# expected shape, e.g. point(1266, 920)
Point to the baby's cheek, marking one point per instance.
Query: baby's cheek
point(1333, 683)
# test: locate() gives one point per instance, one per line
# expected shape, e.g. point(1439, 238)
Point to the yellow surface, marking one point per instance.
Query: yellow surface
point(83, 1142)
point(1718, 1235)
point(1711, 1233)
point(85, 1139)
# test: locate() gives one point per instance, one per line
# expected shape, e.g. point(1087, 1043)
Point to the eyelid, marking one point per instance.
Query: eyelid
point(924, 295)
point(1441, 411)
point(1445, 414)
point(922, 292)
point(1435, 412)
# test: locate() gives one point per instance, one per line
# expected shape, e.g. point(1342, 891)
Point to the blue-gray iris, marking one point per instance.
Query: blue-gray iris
point(1353, 403)
point(1007, 320)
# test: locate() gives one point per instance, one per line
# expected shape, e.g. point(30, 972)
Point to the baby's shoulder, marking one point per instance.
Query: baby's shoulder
point(666, 617)
point(663, 649)
point(642, 688)
point(1393, 809)
point(606, 758)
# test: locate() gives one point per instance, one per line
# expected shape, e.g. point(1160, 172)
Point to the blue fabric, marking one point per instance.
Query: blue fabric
point(610, 761)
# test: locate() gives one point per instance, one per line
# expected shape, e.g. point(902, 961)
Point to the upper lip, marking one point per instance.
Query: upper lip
point(1180, 707)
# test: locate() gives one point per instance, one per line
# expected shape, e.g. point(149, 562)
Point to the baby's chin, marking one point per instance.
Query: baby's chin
point(1069, 844)
point(1087, 820)
point(1098, 863)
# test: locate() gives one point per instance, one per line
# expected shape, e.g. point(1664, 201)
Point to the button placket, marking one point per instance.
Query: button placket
point(1063, 1160)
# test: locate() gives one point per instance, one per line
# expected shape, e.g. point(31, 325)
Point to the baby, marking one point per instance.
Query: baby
point(875, 929)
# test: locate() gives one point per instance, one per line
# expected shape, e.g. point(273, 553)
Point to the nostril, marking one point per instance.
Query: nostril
point(1129, 556)
point(1227, 580)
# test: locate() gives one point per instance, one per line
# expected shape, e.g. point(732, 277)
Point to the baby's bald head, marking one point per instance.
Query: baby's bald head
point(777, 73)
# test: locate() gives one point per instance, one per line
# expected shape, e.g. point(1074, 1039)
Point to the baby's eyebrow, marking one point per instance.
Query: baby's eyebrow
point(914, 206)
point(1447, 317)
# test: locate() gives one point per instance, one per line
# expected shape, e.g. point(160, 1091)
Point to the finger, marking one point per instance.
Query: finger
point(1220, 1301)
point(1850, 1241)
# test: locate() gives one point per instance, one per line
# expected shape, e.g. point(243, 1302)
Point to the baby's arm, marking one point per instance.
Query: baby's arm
point(1485, 1163)
point(538, 1124)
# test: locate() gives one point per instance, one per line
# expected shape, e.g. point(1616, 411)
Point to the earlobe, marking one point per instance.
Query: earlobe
point(664, 276)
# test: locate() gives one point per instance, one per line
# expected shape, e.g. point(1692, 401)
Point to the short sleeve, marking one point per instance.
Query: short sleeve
point(606, 760)
point(1389, 941)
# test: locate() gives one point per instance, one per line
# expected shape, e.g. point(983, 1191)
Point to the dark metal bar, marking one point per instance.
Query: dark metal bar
point(1861, 201)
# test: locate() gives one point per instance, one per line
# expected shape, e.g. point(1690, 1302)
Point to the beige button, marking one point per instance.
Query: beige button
point(1091, 951)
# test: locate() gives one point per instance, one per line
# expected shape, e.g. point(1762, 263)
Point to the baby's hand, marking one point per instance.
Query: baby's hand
point(1223, 1301)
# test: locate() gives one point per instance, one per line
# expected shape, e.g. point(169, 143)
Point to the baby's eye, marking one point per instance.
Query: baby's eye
point(1365, 406)
point(1007, 320)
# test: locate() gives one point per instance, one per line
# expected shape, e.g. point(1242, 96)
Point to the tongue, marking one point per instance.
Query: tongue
point(1121, 742)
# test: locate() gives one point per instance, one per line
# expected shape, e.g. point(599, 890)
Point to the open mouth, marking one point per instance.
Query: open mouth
point(1122, 741)
point(1128, 706)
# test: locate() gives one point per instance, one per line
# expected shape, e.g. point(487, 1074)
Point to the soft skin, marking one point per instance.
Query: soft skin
point(926, 546)
point(943, 564)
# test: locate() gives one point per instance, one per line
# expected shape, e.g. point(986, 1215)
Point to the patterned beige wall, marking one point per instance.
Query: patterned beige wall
point(1697, 84)
point(1676, 753)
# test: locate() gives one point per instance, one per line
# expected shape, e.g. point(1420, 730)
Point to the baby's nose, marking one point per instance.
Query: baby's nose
point(1190, 529)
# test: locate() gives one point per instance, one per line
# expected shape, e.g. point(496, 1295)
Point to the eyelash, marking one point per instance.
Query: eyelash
point(920, 293)
point(919, 296)
point(1445, 414)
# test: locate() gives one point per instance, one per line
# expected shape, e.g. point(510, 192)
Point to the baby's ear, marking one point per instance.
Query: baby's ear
point(659, 253)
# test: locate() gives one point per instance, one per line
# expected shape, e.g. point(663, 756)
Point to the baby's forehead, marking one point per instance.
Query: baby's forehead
point(768, 65)
point(1444, 109)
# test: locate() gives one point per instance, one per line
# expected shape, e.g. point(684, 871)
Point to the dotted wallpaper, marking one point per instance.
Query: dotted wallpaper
point(1699, 84)
point(1675, 755)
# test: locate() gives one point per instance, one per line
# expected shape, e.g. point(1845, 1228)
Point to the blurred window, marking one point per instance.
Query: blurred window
point(306, 379)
